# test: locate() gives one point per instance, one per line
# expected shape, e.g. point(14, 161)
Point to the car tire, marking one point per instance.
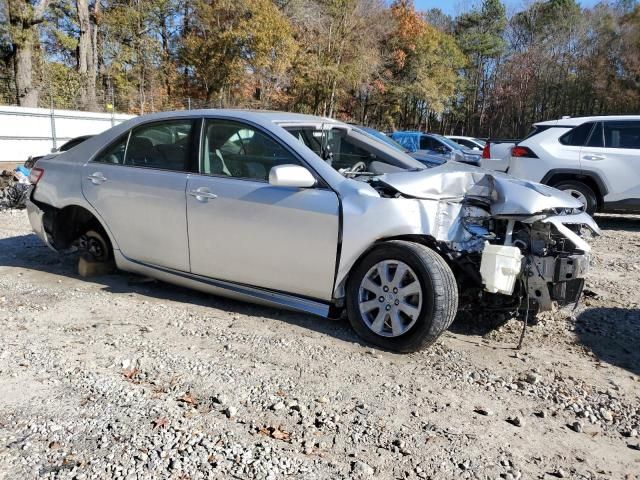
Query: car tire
point(581, 192)
point(420, 319)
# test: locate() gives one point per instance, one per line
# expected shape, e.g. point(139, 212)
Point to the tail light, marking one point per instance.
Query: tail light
point(523, 152)
point(35, 175)
point(486, 151)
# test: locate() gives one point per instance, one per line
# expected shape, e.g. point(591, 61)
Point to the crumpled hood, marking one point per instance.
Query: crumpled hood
point(454, 181)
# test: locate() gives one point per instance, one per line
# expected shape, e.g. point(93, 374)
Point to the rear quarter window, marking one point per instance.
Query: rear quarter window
point(577, 136)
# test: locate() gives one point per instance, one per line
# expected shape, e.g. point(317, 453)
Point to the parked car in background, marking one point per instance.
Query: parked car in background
point(595, 159)
point(496, 154)
point(68, 145)
point(438, 145)
point(430, 160)
point(312, 214)
point(468, 142)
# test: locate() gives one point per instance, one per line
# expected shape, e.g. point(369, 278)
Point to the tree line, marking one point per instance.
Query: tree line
point(482, 73)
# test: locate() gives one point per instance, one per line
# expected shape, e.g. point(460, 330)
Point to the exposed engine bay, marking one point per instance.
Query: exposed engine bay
point(545, 230)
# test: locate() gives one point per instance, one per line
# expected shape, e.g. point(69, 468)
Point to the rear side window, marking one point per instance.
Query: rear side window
point(622, 134)
point(114, 154)
point(577, 136)
point(162, 145)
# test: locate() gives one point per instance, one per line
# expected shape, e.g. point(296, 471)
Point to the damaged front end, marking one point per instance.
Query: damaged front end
point(514, 246)
point(546, 255)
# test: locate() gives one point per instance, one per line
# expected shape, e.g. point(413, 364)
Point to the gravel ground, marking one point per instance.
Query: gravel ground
point(119, 377)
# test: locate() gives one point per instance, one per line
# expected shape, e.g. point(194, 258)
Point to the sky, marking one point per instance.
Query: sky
point(454, 7)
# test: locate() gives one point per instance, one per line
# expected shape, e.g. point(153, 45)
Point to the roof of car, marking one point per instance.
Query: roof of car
point(574, 121)
point(255, 115)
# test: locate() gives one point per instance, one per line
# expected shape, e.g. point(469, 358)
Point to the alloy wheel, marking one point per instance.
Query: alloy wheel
point(390, 298)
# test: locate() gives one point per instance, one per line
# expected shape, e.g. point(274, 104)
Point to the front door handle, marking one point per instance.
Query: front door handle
point(594, 157)
point(203, 194)
point(97, 178)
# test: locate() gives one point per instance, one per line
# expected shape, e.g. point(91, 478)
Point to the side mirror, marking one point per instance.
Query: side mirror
point(54, 150)
point(291, 176)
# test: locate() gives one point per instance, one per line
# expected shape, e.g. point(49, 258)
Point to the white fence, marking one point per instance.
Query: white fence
point(26, 132)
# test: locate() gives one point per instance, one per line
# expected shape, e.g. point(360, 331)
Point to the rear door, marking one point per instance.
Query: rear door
point(613, 153)
point(137, 185)
point(244, 230)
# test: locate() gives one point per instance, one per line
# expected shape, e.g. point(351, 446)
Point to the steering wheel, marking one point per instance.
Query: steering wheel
point(358, 167)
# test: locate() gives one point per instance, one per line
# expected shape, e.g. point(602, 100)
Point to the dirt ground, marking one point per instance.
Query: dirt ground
point(120, 377)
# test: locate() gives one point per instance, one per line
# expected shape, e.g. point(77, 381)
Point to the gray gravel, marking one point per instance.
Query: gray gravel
point(117, 377)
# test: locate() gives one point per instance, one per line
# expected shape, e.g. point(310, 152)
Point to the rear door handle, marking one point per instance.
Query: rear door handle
point(203, 194)
point(97, 178)
point(594, 157)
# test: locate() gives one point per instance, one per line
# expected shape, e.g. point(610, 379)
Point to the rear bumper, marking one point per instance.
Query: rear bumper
point(36, 218)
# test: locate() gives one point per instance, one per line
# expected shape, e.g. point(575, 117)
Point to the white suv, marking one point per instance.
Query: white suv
point(596, 159)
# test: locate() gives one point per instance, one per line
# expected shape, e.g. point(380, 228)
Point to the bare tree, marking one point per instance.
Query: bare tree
point(88, 51)
point(23, 19)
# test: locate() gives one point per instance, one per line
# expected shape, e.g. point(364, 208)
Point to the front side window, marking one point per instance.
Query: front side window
point(577, 136)
point(237, 150)
point(622, 134)
point(427, 143)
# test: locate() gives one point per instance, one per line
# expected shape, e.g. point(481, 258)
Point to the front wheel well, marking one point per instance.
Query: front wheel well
point(425, 240)
point(588, 180)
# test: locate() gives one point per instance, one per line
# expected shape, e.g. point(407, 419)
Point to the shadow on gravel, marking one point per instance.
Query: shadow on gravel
point(27, 251)
point(613, 335)
point(618, 222)
point(467, 324)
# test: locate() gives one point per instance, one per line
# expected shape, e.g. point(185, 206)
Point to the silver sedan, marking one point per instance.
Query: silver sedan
point(312, 214)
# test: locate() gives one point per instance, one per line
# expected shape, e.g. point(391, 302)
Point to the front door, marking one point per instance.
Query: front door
point(614, 154)
point(137, 185)
point(244, 230)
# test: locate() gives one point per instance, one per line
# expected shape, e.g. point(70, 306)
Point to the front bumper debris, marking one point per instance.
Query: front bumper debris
point(561, 222)
point(556, 279)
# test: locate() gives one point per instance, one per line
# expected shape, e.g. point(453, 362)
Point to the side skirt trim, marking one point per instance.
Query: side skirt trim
point(225, 288)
